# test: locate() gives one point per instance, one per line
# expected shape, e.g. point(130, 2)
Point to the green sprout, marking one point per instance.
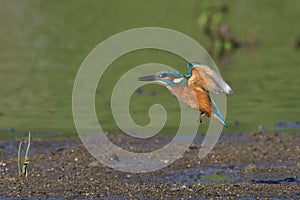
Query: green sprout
point(24, 169)
point(19, 159)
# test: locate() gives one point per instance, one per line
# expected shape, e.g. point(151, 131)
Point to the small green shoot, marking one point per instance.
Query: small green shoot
point(24, 170)
point(19, 158)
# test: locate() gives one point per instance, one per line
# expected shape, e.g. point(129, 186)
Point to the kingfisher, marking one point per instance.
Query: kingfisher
point(194, 88)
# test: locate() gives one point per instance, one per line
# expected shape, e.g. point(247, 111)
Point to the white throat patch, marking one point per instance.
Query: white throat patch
point(178, 80)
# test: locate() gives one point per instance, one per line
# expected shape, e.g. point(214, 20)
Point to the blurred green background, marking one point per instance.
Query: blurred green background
point(43, 43)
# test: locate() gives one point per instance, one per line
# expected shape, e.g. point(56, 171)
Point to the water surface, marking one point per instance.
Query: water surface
point(44, 42)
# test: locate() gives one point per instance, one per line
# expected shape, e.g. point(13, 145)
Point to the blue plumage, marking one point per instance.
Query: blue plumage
point(218, 113)
point(194, 87)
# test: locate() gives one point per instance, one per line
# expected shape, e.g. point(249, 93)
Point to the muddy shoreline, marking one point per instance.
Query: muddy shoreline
point(246, 165)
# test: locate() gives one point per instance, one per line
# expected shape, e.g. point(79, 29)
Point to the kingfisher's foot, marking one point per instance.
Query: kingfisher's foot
point(199, 120)
point(202, 114)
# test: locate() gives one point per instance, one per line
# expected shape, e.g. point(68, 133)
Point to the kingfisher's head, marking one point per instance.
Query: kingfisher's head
point(167, 78)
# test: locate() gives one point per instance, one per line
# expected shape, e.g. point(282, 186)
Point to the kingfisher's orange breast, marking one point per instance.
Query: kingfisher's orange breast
point(204, 102)
point(198, 100)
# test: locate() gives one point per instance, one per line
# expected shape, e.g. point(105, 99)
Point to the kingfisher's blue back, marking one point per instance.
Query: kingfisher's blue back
point(194, 87)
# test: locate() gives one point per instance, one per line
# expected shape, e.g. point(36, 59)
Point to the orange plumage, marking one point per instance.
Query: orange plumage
point(193, 89)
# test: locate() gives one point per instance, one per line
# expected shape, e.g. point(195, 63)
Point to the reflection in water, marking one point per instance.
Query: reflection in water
point(288, 125)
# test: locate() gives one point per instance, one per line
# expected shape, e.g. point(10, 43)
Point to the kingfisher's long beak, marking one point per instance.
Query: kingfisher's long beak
point(148, 78)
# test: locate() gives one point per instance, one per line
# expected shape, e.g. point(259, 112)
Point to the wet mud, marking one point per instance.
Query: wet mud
point(241, 165)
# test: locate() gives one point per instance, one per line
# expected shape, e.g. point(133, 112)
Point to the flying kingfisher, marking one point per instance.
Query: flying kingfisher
point(194, 87)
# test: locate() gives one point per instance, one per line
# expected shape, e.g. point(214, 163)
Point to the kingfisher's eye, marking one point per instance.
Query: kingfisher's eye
point(163, 75)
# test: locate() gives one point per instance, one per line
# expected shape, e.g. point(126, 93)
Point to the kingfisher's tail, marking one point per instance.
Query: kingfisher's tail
point(217, 114)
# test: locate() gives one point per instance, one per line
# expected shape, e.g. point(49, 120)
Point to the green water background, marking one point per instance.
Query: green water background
point(43, 43)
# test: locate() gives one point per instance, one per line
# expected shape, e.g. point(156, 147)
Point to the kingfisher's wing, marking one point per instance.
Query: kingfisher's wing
point(204, 78)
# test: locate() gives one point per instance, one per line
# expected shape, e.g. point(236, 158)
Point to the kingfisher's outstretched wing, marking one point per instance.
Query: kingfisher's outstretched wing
point(202, 77)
